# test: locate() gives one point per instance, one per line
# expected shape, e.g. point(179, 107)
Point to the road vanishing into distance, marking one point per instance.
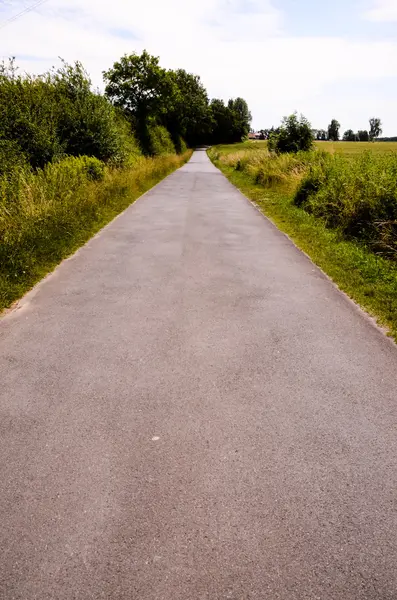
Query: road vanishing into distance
point(190, 410)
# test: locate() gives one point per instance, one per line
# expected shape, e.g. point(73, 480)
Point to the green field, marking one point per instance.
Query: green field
point(339, 206)
point(357, 147)
point(333, 147)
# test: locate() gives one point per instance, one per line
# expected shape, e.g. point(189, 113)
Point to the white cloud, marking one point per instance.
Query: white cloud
point(239, 47)
point(383, 11)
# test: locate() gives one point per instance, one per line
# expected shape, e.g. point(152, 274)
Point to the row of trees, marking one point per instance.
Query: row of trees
point(145, 108)
point(149, 94)
point(333, 132)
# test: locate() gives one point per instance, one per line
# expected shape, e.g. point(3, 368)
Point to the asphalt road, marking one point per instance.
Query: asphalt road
point(190, 410)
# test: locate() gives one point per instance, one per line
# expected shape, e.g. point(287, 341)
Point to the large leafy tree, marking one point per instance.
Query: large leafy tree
point(139, 86)
point(230, 123)
point(189, 115)
point(241, 118)
point(222, 122)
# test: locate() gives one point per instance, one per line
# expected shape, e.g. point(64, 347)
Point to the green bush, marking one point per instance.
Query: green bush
point(179, 144)
point(57, 114)
point(94, 168)
point(160, 141)
point(11, 157)
point(294, 135)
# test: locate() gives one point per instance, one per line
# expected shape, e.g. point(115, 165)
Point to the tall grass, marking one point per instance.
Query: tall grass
point(269, 169)
point(358, 197)
point(46, 215)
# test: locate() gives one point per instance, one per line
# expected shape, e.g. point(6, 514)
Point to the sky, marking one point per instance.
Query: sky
point(323, 59)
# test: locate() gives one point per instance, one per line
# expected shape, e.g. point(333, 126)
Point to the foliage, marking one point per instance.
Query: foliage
point(358, 197)
point(349, 136)
point(222, 122)
point(351, 190)
point(47, 117)
point(28, 112)
point(139, 86)
point(88, 123)
point(294, 135)
point(143, 90)
point(333, 130)
point(11, 157)
point(363, 135)
point(160, 141)
point(241, 118)
point(375, 128)
point(188, 117)
point(150, 95)
point(321, 134)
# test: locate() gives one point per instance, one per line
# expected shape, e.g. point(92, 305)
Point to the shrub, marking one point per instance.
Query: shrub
point(179, 144)
point(58, 114)
point(294, 135)
point(11, 157)
point(94, 168)
point(160, 141)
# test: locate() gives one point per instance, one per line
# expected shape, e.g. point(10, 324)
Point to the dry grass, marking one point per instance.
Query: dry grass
point(268, 169)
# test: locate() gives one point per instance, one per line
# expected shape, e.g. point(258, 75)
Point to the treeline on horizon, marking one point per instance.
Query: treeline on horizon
point(145, 109)
point(332, 133)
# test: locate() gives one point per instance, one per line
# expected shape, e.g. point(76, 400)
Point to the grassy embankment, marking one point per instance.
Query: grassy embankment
point(339, 206)
point(46, 215)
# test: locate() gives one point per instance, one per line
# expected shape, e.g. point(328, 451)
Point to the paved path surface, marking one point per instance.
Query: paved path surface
point(191, 411)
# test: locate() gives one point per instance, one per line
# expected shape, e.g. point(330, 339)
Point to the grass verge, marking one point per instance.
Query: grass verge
point(371, 281)
point(47, 216)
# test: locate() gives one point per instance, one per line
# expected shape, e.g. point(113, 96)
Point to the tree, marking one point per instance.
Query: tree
point(294, 134)
point(363, 135)
point(241, 118)
point(140, 86)
point(333, 130)
point(230, 123)
point(375, 128)
point(145, 91)
point(189, 116)
point(349, 136)
point(222, 122)
point(266, 133)
point(321, 134)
